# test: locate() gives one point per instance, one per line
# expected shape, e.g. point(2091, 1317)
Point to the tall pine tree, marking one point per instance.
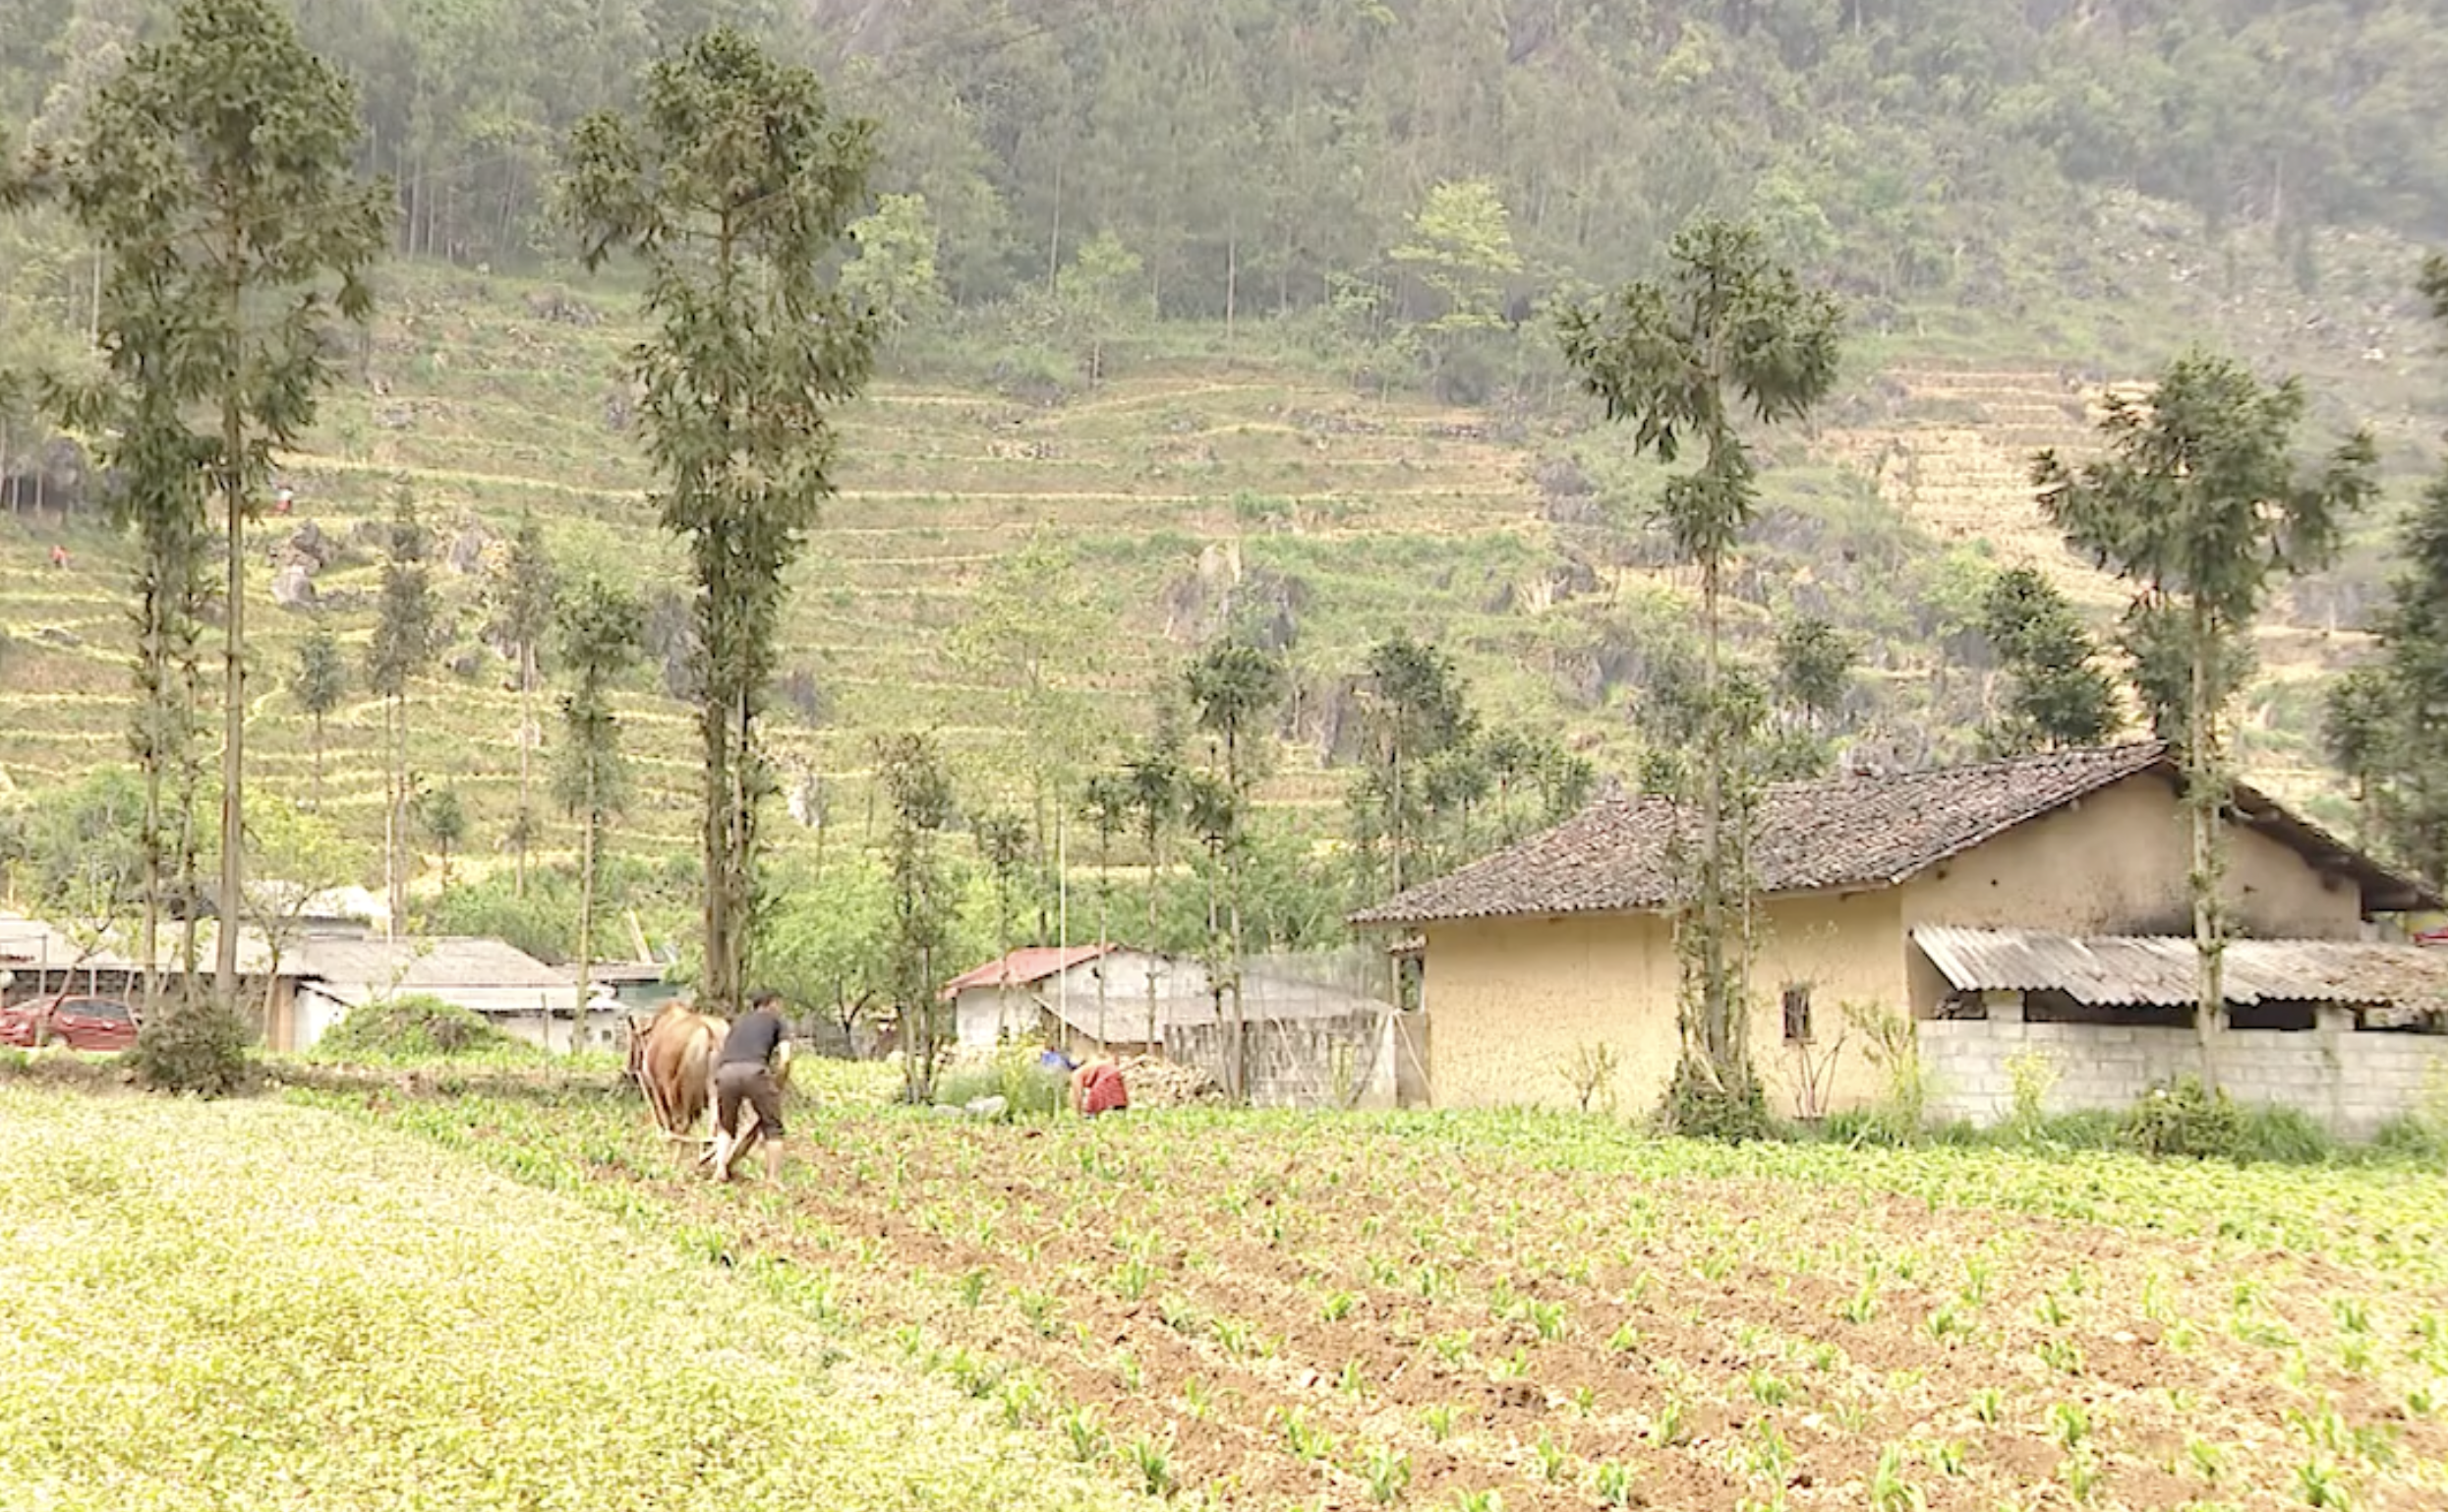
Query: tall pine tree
point(1729, 335)
point(733, 185)
point(217, 176)
point(2202, 506)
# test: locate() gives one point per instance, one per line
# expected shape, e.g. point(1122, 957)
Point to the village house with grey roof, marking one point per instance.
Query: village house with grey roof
point(2032, 905)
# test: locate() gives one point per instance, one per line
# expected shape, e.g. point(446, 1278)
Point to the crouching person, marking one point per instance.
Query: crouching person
point(1097, 1088)
point(749, 1069)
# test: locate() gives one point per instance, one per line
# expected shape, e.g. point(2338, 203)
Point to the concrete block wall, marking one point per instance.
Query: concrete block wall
point(2352, 1083)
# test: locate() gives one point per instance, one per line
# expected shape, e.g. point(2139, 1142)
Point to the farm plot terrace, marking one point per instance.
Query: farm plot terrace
point(1531, 1311)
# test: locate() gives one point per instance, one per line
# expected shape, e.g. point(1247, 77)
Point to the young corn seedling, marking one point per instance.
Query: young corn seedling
point(1023, 1400)
point(1197, 1398)
point(2317, 1483)
point(1552, 1460)
point(1307, 1440)
point(1613, 1482)
point(1388, 1471)
point(1766, 1456)
point(1986, 1406)
point(1089, 1439)
point(2081, 1473)
point(2206, 1460)
point(972, 1287)
point(1338, 1307)
point(1671, 1426)
point(1438, 1420)
point(1890, 1491)
point(1354, 1382)
point(2069, 1423)
point(1155, 1462)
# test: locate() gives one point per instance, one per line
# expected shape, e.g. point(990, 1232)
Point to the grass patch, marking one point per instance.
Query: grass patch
point(253, 1304)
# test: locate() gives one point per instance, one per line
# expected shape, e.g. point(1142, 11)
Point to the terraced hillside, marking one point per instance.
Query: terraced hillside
point(1954, 458)
point(487, 397)
point(1181, 489)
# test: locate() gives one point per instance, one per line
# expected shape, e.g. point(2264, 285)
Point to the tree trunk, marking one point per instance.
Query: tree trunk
point(318, 779)
point(1155, 860)
point(586, 918)
point(2206, 797)
point(526, 738)
point(1713, 994)
point(233, 698)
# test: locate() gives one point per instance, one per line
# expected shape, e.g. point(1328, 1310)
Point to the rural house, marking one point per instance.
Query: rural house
point(2036, 904)
point(322, 975)
point(1304, 1040)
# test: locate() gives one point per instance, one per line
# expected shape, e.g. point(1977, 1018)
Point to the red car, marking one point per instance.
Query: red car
point(68, 1019)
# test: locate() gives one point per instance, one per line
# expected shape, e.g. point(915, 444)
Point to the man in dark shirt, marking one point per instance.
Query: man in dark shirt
point(744, 1072)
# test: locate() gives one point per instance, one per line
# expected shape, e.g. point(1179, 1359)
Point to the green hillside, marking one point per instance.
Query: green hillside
point(1206, 472)
point(1239, 315)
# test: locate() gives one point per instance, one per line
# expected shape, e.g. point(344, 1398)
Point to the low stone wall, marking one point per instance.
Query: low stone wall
point(2353, 1082)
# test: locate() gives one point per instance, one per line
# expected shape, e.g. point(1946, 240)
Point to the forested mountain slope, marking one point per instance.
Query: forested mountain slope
point(1258, 155)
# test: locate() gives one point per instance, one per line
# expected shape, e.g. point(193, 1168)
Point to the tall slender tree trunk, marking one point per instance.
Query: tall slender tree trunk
point(1155, 865)
point(318, 789)
point(586, 918)
point(2206, 797)
point(233, 664)
point(526, 740)
point(1713, 994)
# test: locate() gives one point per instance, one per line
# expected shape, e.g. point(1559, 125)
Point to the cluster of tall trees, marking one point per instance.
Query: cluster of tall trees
point(215, 171)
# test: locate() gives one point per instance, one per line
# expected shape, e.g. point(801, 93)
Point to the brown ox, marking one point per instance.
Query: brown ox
point(673, 1060)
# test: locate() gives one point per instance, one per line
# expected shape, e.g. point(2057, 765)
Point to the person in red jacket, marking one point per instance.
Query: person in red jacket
point(1097, 1088)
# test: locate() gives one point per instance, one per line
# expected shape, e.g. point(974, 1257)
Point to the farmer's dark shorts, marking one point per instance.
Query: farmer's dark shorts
point(752, 1082)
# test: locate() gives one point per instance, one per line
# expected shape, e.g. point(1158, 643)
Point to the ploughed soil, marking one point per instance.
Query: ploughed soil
point(1320, 1314)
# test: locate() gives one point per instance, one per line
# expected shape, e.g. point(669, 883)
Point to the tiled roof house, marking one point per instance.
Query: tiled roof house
point(1898, 893)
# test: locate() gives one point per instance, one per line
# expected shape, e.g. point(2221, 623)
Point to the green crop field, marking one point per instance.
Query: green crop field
point(386, 1296)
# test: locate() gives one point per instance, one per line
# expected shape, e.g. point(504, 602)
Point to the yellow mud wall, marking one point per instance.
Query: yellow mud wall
point(2115, 863)
point(1848, 948)
point(1510, 1001)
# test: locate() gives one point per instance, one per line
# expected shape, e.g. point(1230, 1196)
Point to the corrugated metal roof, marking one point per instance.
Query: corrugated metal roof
point(2159, 971)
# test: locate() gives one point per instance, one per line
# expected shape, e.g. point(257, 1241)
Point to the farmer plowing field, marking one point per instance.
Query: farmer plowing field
point(751, 1069)
point(681, 1060)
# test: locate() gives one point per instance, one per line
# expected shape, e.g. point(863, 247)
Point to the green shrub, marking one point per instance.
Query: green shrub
point(2031, 1073)
point(1697, 1106)
point(414, 1027)
point(2186, 1118)
point(198, 1047)
point(2412, 1136)
point(1877, 1126)
point(1890, 1043)
point(1028, 1089)
point(2287, 1136)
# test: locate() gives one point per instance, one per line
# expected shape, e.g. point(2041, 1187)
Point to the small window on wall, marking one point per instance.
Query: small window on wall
point(1797, 1012)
